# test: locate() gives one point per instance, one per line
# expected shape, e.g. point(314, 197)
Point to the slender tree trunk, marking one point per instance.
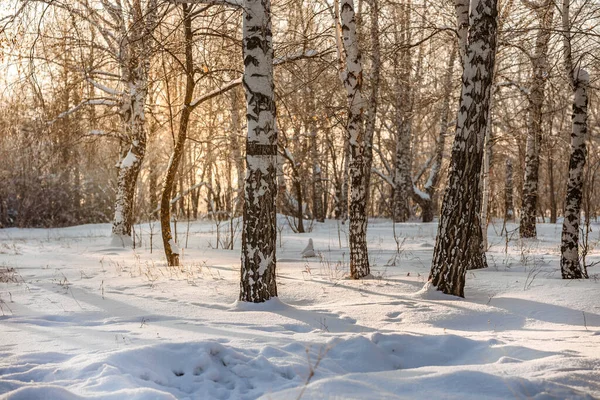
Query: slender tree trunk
point(317, 181)
point(485, 175)
point(403, 183)
point(529, 204)
point(509, 211)
point(317, 177)
point(259, 232)
point(297, 182)
point(459, 241)
point(570, 264)
point(236, 152)
point(551, 187)
point(352, 78)
point(374, 95)
point(171, 249)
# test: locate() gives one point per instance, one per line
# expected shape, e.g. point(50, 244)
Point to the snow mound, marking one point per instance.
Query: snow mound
point(169, 371)
point(394, 366)
point(309, 250)
point(430, 292)
point(447, 385)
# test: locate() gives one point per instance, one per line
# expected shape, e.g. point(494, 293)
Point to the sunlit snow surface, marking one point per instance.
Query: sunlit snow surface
point(88, 320)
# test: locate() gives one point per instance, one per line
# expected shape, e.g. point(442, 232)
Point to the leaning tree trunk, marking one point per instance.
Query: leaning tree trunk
point(171, 249)
point(459, 241)
point(259, 232)
point(570, 264)
point(352, 80)
point(135, 63)
point(128, 170)
point(529, 203)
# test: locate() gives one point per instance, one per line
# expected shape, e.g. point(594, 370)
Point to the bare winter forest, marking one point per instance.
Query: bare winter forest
point(167, 137)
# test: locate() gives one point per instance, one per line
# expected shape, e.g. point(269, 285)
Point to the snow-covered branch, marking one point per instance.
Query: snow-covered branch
point(104, 88)
point(90, 102)
point(386, 178)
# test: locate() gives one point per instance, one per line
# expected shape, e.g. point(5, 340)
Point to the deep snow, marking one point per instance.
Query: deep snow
point(83, 319)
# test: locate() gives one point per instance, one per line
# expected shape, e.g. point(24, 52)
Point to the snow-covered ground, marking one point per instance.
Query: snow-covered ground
point(82, 319)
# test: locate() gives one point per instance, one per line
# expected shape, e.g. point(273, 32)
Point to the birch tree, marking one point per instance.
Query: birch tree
point(352, 79)
point(135, 48)
point(535, 101)
point(570, 263)
point(259, 232)
point(403, 183)
point(458, 245)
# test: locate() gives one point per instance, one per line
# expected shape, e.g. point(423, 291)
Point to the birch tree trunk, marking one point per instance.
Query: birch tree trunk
point(459, 241)
point(403, 184)
point(135, 63)
point(352, 78)
point(529, 203)
point(570, 264)
point(374, 95)
point(259, 232)
point(171, 249)
point(317, 177)
point(485, 175)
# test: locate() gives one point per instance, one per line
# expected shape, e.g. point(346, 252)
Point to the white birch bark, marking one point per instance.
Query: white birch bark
point(539, 60)
point(135, 48)
point(375, 79)
point(352, 77)
point(485, 178)
point(462, 28)
point(403, 184)
point(570, 263)
point(259, 232)
point(459, 242)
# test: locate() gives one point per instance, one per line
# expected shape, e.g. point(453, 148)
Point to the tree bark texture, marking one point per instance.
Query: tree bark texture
point(352, 78)
point(403, 183)
point(259, 232)
point(529, 203)
point(570, 264)
point(135, 63)
point(459, 241)
point(374, 95)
